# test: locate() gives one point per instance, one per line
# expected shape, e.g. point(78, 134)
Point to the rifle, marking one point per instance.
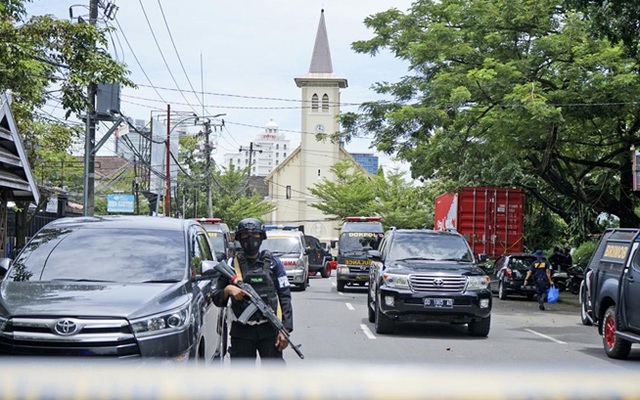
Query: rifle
point(257, 304)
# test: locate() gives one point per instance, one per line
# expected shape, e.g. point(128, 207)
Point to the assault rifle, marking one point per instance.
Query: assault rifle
point(257, 304)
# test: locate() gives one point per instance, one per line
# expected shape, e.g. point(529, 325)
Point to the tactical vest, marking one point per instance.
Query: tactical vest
point(258, 274)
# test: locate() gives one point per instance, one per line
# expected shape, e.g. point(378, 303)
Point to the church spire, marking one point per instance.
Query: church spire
point(321, 58)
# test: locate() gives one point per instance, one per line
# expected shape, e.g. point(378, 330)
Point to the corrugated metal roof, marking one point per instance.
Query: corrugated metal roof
point(15, 172)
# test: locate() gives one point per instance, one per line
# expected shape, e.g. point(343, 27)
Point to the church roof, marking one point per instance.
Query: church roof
point(321, 58)
point(321, 68)
point(15, 172)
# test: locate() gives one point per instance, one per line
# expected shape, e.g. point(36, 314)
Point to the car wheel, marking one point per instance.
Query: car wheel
point(584, 306)
point(383, 323)
point(340, 286)
point(502, 292)
point(325, 272)
point(370, 304)
point(614, 346)
point(480, 327)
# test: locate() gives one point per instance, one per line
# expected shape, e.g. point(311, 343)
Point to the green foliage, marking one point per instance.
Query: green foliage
point(509, 94)
point(231, 197)
point(582, 254)
point(392, 198)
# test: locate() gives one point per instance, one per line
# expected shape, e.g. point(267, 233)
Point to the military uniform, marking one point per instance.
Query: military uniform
point(268, 277)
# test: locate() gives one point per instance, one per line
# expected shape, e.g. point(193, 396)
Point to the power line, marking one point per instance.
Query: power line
point(144, 11)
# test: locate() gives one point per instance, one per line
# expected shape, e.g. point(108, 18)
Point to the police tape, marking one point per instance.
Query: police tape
point(61, 379)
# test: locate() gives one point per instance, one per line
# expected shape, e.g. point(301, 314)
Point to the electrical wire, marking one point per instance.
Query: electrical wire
point(155, 39)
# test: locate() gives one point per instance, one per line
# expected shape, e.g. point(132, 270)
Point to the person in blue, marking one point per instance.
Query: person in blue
point(268, 277)
point(540, 269)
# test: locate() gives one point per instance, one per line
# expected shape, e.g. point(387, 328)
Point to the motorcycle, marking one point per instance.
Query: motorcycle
point(575, 275)
point(560, 279)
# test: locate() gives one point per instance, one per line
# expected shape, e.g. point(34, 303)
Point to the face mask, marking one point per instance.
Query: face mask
point(251, 245)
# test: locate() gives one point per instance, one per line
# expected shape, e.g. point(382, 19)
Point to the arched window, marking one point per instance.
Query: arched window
point(314, 102)
point(325, 102)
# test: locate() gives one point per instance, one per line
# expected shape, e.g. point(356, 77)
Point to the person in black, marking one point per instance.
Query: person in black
point(541, 272)
point(557, 259)
point(267, 275)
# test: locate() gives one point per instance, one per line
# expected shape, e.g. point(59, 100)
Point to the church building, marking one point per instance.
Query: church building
point(308, 164)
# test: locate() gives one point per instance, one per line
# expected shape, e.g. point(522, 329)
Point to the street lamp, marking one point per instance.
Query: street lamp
point(167, 193)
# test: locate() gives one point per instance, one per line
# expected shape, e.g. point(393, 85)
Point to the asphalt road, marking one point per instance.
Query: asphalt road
point(333, 327)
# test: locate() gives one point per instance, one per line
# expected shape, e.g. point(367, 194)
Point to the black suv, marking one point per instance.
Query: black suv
point(421, 275)
point(113, 287)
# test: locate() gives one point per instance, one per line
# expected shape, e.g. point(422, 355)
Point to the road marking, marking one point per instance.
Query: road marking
point(545, 336)
point(367, 332)
point(349, 306)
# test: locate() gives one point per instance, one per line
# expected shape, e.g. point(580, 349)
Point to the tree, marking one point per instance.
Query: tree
point(232, 199)
point(508, 93)
point(355, 193)
point(42, 56)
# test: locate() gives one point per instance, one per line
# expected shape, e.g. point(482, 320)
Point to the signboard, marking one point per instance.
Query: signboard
point(120, 203)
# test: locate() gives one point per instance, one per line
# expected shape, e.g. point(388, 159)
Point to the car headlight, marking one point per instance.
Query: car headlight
point(396, 281)
point(3, 323)
point(174, 320)
point(477, 282)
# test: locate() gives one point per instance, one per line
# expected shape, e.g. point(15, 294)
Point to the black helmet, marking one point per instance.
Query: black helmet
point(250, 225)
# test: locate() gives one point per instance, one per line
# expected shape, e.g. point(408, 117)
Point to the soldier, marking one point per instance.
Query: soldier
point(540, 269)
point(266, 274)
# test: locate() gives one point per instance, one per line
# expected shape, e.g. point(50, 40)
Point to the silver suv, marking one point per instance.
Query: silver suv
point(288, 243)
point(112, 287)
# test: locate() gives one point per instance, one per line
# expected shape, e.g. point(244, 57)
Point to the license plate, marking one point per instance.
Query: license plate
point(438, 303)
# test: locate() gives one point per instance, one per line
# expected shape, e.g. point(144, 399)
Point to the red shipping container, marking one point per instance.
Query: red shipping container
point(490, 218)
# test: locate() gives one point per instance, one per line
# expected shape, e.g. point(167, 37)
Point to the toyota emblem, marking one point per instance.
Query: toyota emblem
point(438, 282)
point(66, 327)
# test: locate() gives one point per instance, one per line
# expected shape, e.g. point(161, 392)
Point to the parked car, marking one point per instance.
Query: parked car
point(219, 237)
point(507, 275)
point(421, 275)
point(112, 287)
point(319, 257)
point(288, 243)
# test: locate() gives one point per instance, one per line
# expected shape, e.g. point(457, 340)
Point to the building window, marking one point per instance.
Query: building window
point(325, 103)
point(277, 154)
point(277, 146)
point(314, 102)
point(288, 193)
point(284, 155)
point(238, 163)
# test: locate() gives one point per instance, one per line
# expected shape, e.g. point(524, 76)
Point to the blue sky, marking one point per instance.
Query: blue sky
point(242, 54)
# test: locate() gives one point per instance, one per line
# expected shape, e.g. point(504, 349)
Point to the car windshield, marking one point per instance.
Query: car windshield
point(354, 242)
point(217, 241)
point(429, 247)
point(107, 255)
point(283, 245)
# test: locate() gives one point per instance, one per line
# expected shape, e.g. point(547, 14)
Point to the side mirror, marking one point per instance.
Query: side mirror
point(334, 243)
point(374, 255)
point(482, 258)
point(208, 267)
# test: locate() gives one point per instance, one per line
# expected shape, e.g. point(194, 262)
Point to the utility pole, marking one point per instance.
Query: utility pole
point(90, 138)
point(251, 151)
point(167, 192)
point(207, 151)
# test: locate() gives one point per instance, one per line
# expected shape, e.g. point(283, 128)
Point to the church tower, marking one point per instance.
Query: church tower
point(306, 166)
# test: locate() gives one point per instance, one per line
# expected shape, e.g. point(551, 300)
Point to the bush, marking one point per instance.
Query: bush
point(582, 254)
